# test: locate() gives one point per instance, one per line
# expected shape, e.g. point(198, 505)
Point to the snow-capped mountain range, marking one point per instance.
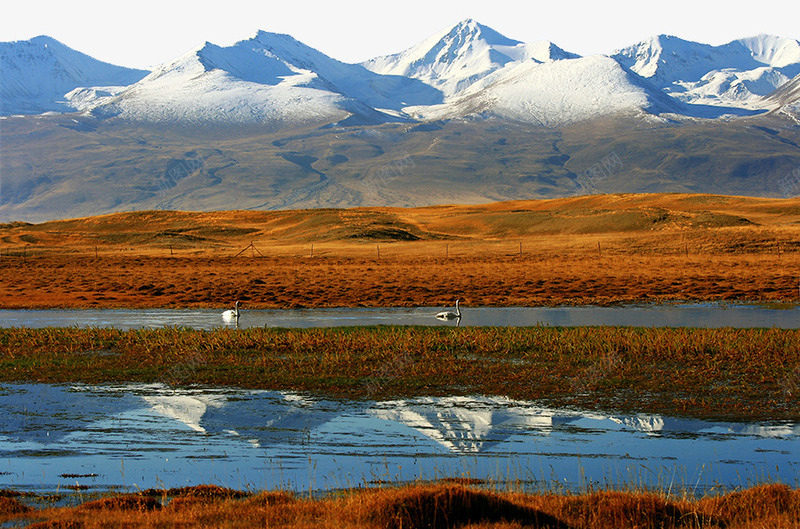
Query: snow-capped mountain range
point(467, 116)
point(468, 70)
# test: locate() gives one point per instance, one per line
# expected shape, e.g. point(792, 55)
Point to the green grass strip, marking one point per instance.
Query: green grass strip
point(740, 374)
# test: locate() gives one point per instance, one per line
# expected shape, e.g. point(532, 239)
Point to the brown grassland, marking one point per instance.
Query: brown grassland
point(584, 250)
point(597, 249)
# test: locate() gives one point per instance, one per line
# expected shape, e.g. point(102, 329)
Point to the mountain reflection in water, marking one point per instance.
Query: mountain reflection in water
point(150, 435)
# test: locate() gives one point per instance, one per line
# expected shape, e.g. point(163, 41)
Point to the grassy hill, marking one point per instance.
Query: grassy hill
point(596, 249)
point(727, 222)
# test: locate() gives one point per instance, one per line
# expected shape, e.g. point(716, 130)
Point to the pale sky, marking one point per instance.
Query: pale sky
point(145, 33)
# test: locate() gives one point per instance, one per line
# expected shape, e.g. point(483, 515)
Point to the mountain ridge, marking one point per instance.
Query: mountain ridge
point(270, 123)
point(445, 68)
point(738, 73)
point(786, 99)
point(59, 166)
point(557, 93)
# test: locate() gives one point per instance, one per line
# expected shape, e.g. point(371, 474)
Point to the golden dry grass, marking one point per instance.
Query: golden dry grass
point(441, 505)
point(530, 280)
point(12, 506)
point(596, 249)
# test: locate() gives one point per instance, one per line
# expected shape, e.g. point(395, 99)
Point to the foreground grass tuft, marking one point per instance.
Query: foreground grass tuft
point(440, 505)
point(452, 506)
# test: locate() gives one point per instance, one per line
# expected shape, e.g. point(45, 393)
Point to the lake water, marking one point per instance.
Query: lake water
point(130, 437)
point(661, 315)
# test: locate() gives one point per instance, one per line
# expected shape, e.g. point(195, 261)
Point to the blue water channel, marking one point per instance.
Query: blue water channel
point(129, 437)
point(652, 315)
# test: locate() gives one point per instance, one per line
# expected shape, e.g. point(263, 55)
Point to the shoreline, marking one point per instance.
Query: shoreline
point(577, 303)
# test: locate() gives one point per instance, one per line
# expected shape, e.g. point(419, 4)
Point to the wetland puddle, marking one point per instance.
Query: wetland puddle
point(662, 315)
point(132, 437)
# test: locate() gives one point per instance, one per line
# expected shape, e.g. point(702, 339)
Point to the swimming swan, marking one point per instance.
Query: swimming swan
point(232, 315)
point(449, 315)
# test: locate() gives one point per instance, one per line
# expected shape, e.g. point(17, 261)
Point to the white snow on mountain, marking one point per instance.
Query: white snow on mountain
point(736, 74)
point(38, 73)
point(557, 93)
point(467, 70)
point(465, 424)
point(454, 59)
point(730, 87)
point(84, 98)
point(268, 78)
point(351, 80)
point(775, 51)
point(190, 90)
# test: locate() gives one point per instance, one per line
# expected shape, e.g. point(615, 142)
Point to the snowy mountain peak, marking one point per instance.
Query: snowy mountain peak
point(44, 40)
point(37, 73)
point(268, 78)
point(252, 64)
point(455, 47)
point(272, 77)
point(546, 51)
point(286, 47)
point(265, 37)
point(457, 57)
point(469, 31)
point(265, 58)
point(557, 93)
point(655, 58)
point(772, 51)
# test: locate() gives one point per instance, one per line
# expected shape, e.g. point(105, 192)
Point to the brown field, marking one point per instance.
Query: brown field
point(441, 505)
point(596, 249)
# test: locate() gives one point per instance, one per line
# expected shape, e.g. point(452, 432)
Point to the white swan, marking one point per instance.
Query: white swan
point(232, 315)
point(449, 315)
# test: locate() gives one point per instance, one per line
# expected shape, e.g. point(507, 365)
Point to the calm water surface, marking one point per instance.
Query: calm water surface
point(140, 436)
point(667, 315)
point(136, 436)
